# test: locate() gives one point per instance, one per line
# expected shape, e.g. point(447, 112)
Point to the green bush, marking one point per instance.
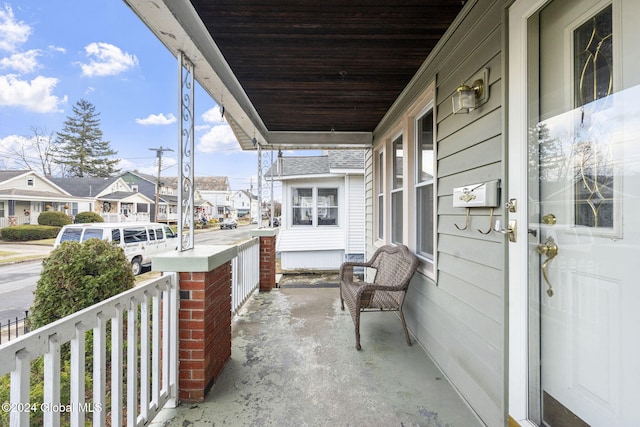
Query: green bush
point(76, 276)
point(54, 218)
point(23, 233)
point(87, 217)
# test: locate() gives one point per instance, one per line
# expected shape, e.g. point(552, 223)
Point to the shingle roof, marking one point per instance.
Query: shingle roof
point(308, 165)
point(6, 175)
point(346, 159)
point(32, 193)
point(318, 165)
point(206, 183)
point(85, 186)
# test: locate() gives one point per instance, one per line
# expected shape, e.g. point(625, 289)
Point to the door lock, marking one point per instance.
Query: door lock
point(511, 231)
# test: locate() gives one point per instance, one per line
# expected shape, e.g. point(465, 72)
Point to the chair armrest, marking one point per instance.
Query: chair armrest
point(346, 269)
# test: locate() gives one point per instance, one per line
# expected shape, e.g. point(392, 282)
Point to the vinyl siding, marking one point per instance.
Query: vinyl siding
point(355, 214)
point(460, 317)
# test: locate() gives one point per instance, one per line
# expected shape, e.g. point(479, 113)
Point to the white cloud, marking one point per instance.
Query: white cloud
point(57, 49)
point(12, 33)
point(157, 119)
point(107, 60)
point(25, 62)
point(35, 95)
point(218, 138)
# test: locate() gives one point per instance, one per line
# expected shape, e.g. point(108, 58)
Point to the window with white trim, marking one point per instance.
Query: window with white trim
point(425, 175)
point(313, 206)
point(396, 190)
point(380, 193)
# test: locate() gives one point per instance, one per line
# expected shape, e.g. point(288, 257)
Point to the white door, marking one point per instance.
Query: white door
point(584, 214)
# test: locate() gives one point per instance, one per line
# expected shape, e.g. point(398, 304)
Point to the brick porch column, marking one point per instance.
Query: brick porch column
point(204, 323)
point(267, 257)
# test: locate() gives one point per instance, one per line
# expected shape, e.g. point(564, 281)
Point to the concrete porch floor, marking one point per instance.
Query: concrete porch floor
point(294, 363)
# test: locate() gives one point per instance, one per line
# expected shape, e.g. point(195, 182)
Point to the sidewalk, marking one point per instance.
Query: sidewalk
point(11, 252)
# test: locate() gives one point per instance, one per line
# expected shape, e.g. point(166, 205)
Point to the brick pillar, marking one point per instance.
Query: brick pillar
point(267, 263)
point(204, 330)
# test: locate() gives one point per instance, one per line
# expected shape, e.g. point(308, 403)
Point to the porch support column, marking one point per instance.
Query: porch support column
point(204, 322)
point(267, 257)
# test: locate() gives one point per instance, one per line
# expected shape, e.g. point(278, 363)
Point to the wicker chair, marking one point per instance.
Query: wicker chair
point(394, 265)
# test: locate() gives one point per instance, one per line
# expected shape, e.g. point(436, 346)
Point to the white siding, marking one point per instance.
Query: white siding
point(312, 260)
point(355, 214)
point(311, 238)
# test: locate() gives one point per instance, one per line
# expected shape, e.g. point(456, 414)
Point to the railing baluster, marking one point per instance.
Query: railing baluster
point(132, 363)
point(145, 354)
point(100, 371)
point(77, 375)
point(166, 339)
point(172, 351)
point(52, 382)
point(156, 321)
point(116, 367)
point(20, 384)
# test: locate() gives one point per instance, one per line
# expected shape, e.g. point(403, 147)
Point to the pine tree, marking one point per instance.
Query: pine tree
point(79, 146)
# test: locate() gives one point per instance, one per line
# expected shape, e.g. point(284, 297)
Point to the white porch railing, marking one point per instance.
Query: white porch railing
point(149, 370)
point(245, 272)
point(149, 337)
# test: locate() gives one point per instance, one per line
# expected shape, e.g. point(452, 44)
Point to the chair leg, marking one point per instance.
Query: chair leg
point(357, 327)
point(404, 325)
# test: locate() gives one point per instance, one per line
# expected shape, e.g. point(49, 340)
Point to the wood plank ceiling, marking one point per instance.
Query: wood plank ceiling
point(334, 65)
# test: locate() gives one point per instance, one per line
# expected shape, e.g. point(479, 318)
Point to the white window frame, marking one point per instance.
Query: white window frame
point(315, 208)
point(379, 157)
point(428, 260)
point(397, 235)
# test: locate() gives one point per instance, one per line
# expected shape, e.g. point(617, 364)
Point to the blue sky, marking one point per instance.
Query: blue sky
point(54, 53)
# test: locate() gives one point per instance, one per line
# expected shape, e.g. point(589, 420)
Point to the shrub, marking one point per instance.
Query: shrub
point(76, 276)
point(23, 233)
point(87, 217)
point(54, 218)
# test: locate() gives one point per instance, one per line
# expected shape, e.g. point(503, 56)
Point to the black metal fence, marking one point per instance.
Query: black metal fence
point(13, 328)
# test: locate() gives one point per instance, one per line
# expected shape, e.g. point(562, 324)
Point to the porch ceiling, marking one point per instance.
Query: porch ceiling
point(302, 74)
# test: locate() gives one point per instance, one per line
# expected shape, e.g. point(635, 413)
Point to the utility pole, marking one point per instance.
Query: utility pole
point(159, 152)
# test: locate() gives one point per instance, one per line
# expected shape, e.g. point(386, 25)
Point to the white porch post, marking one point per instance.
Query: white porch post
point(186, 154)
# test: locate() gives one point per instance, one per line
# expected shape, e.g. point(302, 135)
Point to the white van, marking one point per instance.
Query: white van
point(140, 241)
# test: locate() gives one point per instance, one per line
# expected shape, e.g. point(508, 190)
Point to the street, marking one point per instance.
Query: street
point(17, 284)
point(18, 281)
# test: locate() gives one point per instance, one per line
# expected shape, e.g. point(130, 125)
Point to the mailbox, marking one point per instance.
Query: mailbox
point(479, 195)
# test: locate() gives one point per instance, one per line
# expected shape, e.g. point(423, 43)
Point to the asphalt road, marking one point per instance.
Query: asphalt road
point(18, 281)
point(17, 284)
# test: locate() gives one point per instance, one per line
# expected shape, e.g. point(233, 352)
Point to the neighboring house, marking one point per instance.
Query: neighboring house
point(245, 204)
point(167, 199)
point(25, 194)
point(521, 208)
point(323, 216)
point(214, 189)
point(111, 197)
